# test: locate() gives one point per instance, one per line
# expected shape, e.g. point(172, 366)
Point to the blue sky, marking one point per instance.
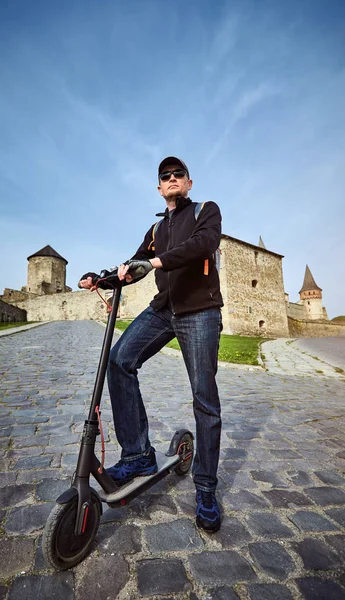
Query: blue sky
point(251, 94)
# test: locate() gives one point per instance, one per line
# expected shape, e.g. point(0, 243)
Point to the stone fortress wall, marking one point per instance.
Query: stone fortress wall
point(249, 309)
point(71, 306)
point(252, 286)
point(303, 328)
point(295, 310)
point(11, 314)
point(252, 280)
point(137, 296)
point(13, 296)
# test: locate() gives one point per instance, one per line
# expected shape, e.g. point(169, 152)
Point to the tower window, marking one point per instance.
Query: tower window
point(261, 324)
point(254, 283)
point(250, 310)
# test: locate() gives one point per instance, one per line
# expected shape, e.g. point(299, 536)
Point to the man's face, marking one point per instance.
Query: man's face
point(174, 186)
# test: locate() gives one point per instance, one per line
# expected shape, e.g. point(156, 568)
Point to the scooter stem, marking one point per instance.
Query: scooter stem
point(103, 361)
point(87, 461)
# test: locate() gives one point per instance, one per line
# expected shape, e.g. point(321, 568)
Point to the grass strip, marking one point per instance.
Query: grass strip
point(122, 324)
point(18, 324)
point(232, 348)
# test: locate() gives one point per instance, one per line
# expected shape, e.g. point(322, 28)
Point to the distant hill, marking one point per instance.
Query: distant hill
point(339, 320)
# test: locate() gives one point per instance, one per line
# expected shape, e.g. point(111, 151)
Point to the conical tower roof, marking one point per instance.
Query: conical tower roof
point(309, 283)
point(261, 244)
point(49, 252)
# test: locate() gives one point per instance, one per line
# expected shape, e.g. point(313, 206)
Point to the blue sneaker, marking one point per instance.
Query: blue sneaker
point(207, 511)
point(125, 471)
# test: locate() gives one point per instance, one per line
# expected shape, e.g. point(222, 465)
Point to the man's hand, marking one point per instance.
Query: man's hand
point(88, 281)
point(122, 273)
point(137, 269)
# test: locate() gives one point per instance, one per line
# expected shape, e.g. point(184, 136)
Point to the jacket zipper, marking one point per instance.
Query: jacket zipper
point(169, 239)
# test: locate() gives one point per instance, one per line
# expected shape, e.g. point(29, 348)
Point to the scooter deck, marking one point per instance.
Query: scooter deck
point(164, 462)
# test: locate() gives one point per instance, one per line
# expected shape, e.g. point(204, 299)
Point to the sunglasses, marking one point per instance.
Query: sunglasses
point(178, 173)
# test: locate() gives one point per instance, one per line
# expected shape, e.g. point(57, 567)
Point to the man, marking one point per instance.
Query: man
point(187, 306)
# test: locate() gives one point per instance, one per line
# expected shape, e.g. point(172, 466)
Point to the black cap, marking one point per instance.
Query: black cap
point(170, 160)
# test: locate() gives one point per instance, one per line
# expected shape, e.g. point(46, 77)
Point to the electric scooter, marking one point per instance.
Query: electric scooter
point(73, 522)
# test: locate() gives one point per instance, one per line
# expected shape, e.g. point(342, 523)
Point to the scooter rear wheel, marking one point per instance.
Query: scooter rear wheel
point(62, 548)
point(186, 452)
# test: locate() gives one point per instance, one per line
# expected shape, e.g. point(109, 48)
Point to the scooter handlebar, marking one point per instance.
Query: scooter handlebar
point(106, 280)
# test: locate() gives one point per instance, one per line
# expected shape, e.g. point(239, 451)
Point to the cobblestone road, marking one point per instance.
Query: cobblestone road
point(331, 349)
point(282, 484)
point(305, 357)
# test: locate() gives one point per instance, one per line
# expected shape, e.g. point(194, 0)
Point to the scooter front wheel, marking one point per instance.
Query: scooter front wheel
point(62, 548)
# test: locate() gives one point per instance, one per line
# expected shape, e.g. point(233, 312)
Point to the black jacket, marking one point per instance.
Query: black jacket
point(183, 243)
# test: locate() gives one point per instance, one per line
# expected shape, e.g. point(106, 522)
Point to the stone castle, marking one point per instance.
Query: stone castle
point(251, 279)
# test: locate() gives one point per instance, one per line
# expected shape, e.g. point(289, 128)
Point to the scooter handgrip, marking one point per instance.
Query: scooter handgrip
point(107, 279)
point(94, 277)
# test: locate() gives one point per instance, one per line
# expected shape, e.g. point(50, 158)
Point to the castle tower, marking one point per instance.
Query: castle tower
point(47, 272)
point(311, 296)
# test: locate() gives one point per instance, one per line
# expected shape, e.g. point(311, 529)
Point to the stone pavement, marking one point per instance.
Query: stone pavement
point(281, 481)
point(301, 357)
point(330, 350)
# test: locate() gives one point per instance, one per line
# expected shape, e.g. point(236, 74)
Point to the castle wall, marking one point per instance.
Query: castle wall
point(226, 311)
point(46, 275)
point(10, 295)
point(296, 311)
point(136, 297)
point(70, 306)
point(11, 314)
point(313, 329)
point(253, 280)
point(240, 264)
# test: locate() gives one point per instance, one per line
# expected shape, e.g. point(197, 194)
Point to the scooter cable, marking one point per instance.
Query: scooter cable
point(101, 297)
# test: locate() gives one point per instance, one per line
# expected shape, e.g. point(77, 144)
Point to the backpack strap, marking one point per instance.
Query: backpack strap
point(151, 245)
point(198, 208)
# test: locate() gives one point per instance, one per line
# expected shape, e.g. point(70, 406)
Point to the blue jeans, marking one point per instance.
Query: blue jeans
point(198, 335)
